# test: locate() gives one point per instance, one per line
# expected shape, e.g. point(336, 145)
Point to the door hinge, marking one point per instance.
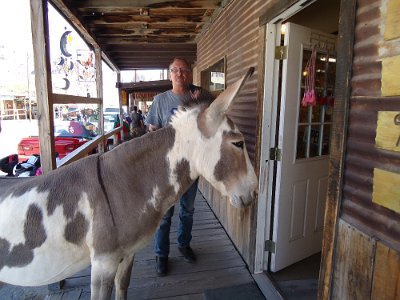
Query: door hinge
point(269, 246)
point(275, 154)
point(281, 52)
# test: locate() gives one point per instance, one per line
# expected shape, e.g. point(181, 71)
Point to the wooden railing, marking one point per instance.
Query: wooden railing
point(88, 147)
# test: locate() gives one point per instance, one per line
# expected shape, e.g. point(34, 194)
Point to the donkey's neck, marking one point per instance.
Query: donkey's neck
point(156, 162)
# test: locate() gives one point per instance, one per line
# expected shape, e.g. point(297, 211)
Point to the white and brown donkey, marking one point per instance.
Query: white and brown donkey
point(102, 209)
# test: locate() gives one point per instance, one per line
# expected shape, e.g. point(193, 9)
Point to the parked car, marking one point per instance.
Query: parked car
point(111, 111)
point(69, 136)
point(109, 122)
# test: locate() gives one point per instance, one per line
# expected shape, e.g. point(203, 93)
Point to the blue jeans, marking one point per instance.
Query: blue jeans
point(184, 233)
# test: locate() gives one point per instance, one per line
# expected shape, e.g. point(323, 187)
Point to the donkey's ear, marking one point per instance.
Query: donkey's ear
point(219, 106)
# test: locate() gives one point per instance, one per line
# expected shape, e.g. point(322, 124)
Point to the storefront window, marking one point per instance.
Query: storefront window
point(213, 78)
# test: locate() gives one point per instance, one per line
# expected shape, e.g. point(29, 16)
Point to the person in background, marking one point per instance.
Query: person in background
point(143, 129)
point(163, 107)
point(125, 128)
point(137, 125)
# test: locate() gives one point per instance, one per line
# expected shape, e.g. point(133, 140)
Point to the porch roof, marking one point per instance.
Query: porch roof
point(136, 34)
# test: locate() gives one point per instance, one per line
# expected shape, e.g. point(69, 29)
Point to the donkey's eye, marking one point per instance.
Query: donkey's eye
point(238, 144)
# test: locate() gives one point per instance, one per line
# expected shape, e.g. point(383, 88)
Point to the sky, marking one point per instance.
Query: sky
point(15, 46)
point(15, 26)
point(15, 23)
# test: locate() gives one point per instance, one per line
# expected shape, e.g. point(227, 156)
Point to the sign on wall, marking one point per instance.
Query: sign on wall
point(388, 131)
point(386, 191)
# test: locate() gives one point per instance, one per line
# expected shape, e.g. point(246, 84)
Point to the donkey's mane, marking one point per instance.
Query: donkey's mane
point(198, 96)
point(199, 100)
point(151, 139)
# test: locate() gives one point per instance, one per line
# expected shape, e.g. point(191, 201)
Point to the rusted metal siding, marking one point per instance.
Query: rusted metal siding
point(235, 35)
point(366, 78)
point(361, 159)
point(362, 155)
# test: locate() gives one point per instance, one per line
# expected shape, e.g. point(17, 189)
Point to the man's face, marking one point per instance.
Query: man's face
point(180, 73)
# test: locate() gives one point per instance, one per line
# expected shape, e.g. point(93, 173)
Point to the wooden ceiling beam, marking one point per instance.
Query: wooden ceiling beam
point(160, 63)
point(146, 39)
point(164, 59)
point(152, 54)
point(161, 4)
point(160, 47)
point(118, 20)
point(119, 57)
point(145, 34)
point(93, 12)
point(144, 25)
point(145, 85)
point(138, 66)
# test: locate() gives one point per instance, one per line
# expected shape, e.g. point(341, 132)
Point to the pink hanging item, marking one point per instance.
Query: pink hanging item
point(310, 97)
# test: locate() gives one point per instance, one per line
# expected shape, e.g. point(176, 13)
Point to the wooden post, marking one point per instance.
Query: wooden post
point(338, 145)
point(99, 89)
point(41, 52)
point(120, 106)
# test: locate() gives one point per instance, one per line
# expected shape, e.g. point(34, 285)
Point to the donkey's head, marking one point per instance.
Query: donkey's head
point(220, 155)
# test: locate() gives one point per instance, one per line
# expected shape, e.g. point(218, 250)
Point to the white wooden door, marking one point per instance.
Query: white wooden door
point(303, 138)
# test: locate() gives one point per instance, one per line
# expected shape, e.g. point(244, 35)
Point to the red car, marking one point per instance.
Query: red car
point(68, 137)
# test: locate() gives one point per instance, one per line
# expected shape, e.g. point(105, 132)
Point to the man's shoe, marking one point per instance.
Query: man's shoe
point(188, 254)
point(161, 265)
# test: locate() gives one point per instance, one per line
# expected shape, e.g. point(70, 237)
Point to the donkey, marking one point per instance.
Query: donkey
point(102, 209)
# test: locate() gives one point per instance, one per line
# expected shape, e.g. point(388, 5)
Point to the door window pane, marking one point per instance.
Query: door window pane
point(304, 111)
point(315, 122)
point(326, 138)
point(315, 135)
point(316, 112)
point(302, 141)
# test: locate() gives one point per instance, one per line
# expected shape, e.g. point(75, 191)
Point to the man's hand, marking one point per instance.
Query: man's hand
point(152, 127)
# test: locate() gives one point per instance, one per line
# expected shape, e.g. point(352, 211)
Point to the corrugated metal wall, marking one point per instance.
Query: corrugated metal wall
point(362, 155)
point(235, 35)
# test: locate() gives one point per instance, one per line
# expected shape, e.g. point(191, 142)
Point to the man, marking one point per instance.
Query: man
point(137, 126)
point(163, 107)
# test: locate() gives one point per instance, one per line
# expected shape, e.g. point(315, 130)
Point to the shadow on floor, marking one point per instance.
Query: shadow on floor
point(299, 281)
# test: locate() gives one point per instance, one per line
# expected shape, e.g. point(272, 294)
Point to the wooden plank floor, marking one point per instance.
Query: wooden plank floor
point(218, 265)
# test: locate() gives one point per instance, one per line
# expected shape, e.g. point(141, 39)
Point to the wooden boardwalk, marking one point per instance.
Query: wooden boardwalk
point(218, 265)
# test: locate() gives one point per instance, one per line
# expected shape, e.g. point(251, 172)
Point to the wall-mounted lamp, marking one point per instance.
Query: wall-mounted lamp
point(283, 29)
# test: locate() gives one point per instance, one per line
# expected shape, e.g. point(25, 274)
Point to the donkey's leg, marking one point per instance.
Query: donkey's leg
point(102, 277)
point(123, 277)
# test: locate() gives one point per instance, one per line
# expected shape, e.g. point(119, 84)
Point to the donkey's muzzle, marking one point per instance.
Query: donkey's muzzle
point(244, 201)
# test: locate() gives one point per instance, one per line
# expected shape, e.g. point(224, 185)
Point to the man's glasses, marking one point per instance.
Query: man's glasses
point(182, 70)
